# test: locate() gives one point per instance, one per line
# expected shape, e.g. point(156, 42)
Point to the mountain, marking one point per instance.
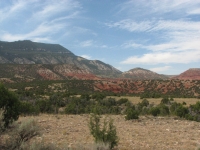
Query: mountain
point(28, 52)
point(190, 74)
point(30, 72)
point(142, 74)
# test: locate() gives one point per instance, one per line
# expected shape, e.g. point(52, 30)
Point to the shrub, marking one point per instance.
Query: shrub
point(44, 106)
point(107, 134)
point(122, 101)
point(10, 106)
point(194, 112)
point(184, 103)
point(154, 111)
point(173, 107)
point(26, 108)
point(164, 110)
point(181, 111)
point(24, 132)
point(85, 96)
point(165, 101)
point(131, 113)
point(144, 103)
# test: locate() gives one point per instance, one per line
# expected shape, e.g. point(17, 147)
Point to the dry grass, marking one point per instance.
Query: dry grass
point(136, 100)
point(146, 133)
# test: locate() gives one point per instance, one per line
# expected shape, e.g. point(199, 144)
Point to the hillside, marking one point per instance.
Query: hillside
point(28, 52)
point(31, 72)
point(190, 74)
point(166, 87)
point(142, 74)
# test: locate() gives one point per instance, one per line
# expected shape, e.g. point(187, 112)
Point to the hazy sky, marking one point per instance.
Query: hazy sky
point(159, 35)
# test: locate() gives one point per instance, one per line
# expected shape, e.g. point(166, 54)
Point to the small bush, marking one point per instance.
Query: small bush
point(154, 111)
point(122, 101)
point(107, 134)
point(165, 101)
point(181, 111)
point(145, 102)
point(131, 113)
point(184, 103)
point(24, 132)
point(164, 110)
point(26, 108)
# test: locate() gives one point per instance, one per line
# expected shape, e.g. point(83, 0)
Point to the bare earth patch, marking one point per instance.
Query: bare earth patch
point(146, 133)
point(156, 101)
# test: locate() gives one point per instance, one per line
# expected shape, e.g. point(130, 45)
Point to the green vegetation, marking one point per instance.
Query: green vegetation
point(22, 134)
point(70, 98)
point(131, 113)
point(107, 134)
point(61, 97)
point(9, 105)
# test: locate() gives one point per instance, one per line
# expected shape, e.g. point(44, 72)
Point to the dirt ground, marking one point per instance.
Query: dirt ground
point(148, 132)
point(156, 101)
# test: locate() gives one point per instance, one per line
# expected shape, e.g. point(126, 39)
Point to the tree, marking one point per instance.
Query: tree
point(10, 106)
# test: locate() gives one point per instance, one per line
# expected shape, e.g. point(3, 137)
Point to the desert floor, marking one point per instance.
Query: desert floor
point(146, 133)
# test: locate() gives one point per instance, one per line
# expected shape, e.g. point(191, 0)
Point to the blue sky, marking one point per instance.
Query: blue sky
point(159, 35)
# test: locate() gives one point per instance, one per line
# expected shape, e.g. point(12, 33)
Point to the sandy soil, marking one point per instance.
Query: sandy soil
point(156, 101)
point(148, 132)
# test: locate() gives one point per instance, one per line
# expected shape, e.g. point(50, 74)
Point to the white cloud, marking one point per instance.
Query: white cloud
point(11, 10)
point(87, 43)
point(176, 25)
point(160, 69)
point(41, 32)
point(131, 25)
point(86, 56)
point(38, 19)
point(131, 44)
point(194, 11)
point(145, 8)
point(181, 44)
point(165, 58)
point(152, 26)
point(52, 8)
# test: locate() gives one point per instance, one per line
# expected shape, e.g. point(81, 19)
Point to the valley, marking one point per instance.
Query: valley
point(61, 91)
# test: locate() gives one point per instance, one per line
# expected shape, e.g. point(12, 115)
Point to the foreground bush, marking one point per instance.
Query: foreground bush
point(22, 134)
point(9, 105)
point(107, 134)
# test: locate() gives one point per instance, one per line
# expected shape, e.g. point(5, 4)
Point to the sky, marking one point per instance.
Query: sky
point(159, 35)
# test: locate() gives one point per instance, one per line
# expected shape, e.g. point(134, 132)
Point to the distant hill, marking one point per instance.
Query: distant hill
point(190, 74)
point(28, 52)
point(142, 74)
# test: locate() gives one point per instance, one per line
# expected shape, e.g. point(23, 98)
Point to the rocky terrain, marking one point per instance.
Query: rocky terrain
point(190, 74)
point(142, 74)
point(28, 52)
point(32, 72)
point(169, 87)
point(146, 133)
point(32, 60)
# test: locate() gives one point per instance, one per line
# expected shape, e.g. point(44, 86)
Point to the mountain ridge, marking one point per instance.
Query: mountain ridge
point(28, 52)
